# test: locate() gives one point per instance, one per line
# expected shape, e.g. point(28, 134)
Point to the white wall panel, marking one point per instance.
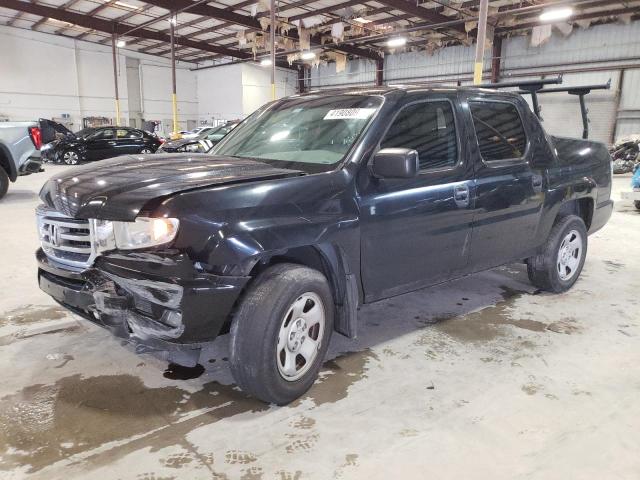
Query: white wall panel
point(220, 93)
point(357, 72)
point(256, 86)
point(43, 75)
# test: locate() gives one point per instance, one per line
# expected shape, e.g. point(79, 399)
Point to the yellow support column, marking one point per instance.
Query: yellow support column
point(482, 32)
point(174, 104)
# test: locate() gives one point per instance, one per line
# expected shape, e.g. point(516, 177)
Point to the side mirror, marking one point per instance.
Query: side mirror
point(395, 163)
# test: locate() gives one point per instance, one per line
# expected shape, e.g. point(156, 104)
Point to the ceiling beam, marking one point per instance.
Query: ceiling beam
point(109, 27)
point(250, 22)
point(421, 13)
point(206, 10)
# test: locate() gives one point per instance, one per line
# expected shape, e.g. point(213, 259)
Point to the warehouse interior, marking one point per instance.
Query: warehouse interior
point(486, 374)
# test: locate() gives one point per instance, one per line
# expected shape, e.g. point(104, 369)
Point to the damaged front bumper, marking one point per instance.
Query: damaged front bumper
point(160, 302)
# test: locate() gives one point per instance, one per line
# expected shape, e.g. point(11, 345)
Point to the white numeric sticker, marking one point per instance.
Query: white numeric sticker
point(349, 113)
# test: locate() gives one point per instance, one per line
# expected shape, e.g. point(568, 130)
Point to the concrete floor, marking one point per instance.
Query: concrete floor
point(480, 378)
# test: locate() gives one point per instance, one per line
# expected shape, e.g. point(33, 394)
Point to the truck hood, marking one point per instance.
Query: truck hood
point(119, 188)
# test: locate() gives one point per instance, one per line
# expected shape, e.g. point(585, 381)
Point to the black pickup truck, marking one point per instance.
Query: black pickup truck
point(312, 206)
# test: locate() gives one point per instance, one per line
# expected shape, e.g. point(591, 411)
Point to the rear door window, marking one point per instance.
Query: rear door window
point(429, 128)
point(499, 130)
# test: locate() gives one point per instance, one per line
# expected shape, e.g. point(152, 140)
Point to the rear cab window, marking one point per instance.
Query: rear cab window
point(499, 130)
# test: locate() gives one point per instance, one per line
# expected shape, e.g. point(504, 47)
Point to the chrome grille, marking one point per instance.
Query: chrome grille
point(65, 240)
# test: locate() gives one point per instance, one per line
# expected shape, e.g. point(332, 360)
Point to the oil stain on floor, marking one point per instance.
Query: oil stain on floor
point(43, 424)
point(485, 325)
point(32, 314)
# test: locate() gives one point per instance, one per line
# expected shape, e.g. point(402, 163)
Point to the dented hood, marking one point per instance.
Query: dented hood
point(119, 188)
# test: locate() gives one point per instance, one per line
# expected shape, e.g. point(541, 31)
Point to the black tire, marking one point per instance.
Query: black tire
point(545, 268)
point(4, 182)
point(256, 328)
point(636, 203)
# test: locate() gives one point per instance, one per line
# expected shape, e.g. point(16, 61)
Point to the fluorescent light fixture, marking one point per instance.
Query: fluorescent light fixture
point(308, 55)
point(396, 42)
point(556, 14)
point(121, 44)
point(361, 20)
point(126, 5)
point(265, 62)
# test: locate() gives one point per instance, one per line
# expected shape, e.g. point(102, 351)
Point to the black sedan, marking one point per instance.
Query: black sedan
point(99, 143)
point(201, 143)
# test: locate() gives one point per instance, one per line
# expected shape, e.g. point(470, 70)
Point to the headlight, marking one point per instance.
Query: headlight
point(143, 233)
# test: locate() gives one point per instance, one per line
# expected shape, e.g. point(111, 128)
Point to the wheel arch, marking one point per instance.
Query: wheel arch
point(331, 261)
point(581, 207)
point(7, 164)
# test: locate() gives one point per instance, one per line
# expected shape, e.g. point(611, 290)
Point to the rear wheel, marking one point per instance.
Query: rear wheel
point(146, 150)
point(636, 203)
point(559, 264)
point(71, 157)
point(4, 182)
point(281, 333)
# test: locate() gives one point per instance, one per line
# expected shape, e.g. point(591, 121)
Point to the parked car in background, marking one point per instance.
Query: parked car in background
point(92, 144)
point(201, 143)
point(197, 131)
point(20, 144)
point(315, 205)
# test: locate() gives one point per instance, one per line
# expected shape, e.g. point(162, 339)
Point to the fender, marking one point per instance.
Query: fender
point(565, 198)
point(238, 230)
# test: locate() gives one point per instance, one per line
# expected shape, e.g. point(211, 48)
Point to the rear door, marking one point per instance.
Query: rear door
point(509, 190)
point(128, 141)
point(415, 232)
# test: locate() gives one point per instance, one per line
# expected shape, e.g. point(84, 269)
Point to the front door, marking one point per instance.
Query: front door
point(100, 144)
point(415, 232)
point(509, 190)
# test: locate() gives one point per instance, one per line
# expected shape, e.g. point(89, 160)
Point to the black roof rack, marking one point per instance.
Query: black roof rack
point(580, 91)
point(531, 87)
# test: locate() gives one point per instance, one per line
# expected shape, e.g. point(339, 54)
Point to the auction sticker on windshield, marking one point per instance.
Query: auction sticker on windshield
point(348, 113)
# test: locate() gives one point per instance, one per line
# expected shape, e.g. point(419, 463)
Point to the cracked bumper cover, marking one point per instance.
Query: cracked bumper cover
point(157, 301)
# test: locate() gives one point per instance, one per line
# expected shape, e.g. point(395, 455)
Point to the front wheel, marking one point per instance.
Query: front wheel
point(281, 332)
point(71, 157)
point(560, 262)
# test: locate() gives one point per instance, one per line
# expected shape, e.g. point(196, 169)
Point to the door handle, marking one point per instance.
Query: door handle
point(461, 195)
point(111, 142)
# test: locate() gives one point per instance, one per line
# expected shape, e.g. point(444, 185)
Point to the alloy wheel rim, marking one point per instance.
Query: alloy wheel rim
point(145, 150)
point(70, 158)
point(300, 336)
point(569, 255)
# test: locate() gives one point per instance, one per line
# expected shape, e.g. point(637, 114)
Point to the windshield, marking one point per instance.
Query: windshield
point(202, 134)
point(85, 132)
point(312, 134)
point(217, 133)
